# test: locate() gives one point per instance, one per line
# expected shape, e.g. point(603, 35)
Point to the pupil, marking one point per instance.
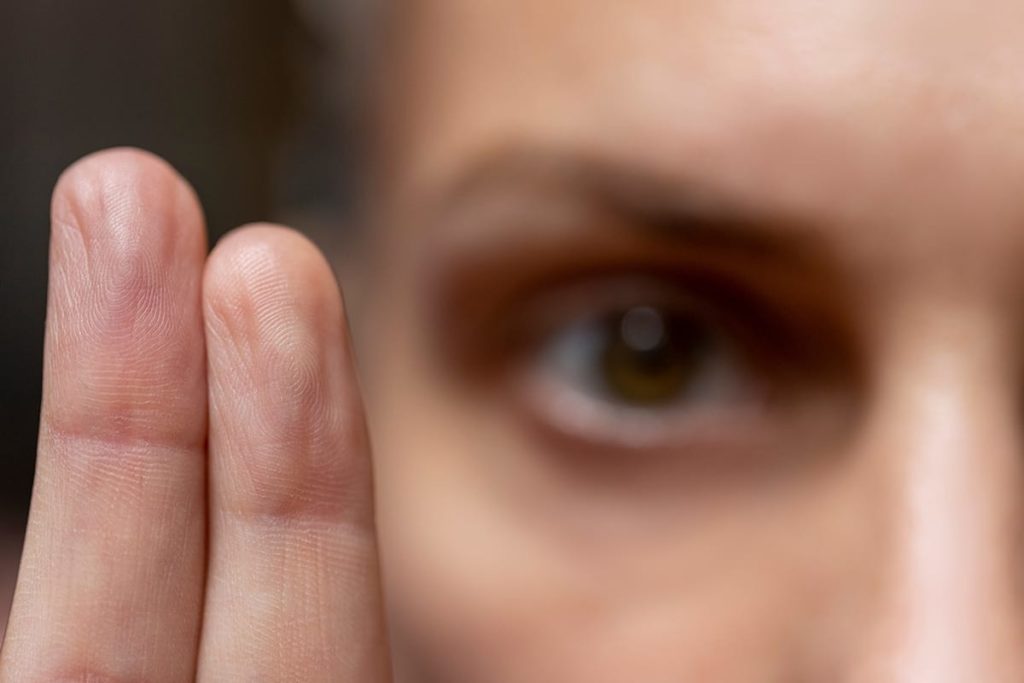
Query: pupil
point(643, 329)
point(650, 359)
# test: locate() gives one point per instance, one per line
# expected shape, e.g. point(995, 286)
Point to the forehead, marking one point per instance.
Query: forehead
point(669, 78)
point(888, 112)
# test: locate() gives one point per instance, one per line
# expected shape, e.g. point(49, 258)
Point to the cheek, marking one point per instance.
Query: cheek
point(502, 568)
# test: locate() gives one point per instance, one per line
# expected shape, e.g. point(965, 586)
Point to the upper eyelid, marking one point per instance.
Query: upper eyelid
point(524, 248)
point(702, 295)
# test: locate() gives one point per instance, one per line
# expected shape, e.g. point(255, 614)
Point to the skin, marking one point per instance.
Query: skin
point(839, 180)
point(202, 455)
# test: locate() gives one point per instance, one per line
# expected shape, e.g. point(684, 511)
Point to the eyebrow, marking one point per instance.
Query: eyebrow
point(678, 211)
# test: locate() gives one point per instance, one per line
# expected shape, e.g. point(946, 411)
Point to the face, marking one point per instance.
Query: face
point(697, 340)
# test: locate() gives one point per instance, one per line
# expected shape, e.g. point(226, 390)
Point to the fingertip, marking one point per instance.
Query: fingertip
point(261, 266)
point(124, 318)
point(287, 248)
point(280, 368)
point(104, 194)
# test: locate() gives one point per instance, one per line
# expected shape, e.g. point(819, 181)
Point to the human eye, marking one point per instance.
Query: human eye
point(599, 337)
point(638, 365)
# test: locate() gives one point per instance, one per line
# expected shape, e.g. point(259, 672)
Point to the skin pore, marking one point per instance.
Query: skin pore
point(692, 352)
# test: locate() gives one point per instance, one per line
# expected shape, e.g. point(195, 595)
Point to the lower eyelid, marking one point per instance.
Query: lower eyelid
point(569, 413)
point(681, 448)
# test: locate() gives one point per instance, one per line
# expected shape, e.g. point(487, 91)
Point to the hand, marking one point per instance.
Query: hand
point(203, 503)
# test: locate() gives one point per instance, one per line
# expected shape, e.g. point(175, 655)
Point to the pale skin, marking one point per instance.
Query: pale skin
point(207, 504)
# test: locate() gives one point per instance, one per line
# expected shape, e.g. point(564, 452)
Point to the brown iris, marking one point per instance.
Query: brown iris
point(651, 357)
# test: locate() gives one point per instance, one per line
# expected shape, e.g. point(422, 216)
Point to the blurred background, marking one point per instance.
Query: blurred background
point(251, 100)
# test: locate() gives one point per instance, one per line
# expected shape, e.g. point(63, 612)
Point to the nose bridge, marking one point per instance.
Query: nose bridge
point(944, 442)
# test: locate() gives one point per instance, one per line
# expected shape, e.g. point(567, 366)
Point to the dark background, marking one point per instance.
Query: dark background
point(240, 95)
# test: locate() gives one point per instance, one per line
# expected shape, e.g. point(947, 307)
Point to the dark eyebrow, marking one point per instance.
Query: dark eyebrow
point(670, 209)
